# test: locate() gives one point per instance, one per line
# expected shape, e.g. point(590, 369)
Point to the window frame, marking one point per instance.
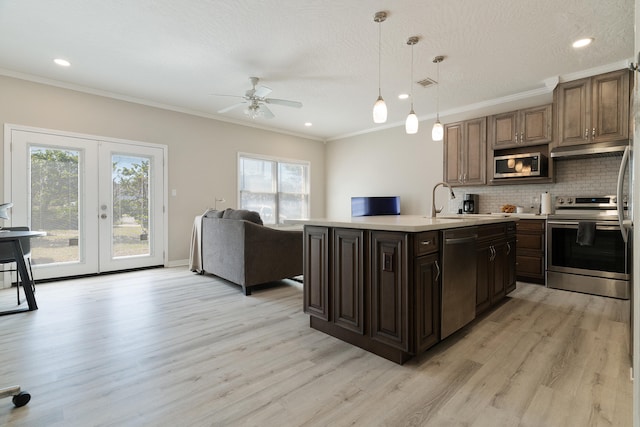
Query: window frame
point(278, 161)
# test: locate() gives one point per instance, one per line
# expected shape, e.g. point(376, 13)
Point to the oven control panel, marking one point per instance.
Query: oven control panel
point(589, 202)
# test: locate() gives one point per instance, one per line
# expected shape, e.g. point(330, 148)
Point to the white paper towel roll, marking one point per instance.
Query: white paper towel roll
point(545, 203)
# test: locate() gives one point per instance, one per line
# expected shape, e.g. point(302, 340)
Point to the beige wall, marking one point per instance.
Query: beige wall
point(384, 163)
point(202, 152)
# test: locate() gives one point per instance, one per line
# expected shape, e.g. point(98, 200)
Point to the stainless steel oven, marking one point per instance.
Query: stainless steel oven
point(585, 248)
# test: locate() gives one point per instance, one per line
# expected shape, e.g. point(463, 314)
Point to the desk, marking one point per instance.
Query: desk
point(14, 237)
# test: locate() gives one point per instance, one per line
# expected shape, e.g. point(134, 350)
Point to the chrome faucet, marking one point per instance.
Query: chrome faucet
point(434, 211)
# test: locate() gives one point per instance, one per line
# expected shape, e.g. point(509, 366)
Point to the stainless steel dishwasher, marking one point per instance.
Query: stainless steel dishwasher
point(459, 271)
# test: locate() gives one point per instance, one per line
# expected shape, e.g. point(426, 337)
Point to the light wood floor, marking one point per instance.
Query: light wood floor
point(167, 347)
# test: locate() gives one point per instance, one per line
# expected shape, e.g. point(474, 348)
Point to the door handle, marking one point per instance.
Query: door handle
point(438, 271)
point(103, 216)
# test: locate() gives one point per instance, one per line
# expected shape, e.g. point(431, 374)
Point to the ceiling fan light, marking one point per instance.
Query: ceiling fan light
point(379, 111)
point(437, 133)
point(411, 124)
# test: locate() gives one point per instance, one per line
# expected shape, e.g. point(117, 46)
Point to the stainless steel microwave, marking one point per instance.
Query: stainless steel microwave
point(520, 165)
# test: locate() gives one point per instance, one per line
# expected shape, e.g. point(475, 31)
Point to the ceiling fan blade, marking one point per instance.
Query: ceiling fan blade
point(284, 102)
point(224, 110)
point(231, 96)
point(262, 91)
point(266, 112)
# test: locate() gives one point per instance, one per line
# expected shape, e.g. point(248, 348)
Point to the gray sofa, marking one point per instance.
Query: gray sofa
point(237, 247)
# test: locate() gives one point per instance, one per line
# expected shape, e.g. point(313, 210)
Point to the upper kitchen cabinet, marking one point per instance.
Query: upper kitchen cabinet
point(593, 109)
point(531, 126)
point(465, 152)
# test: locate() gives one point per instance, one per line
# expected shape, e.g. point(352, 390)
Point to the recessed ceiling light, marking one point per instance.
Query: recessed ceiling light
point(308, 124)
point(582, 42)
point(403, 96)
point(62, 62)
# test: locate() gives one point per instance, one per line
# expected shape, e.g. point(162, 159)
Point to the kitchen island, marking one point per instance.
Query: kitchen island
point(396, 285)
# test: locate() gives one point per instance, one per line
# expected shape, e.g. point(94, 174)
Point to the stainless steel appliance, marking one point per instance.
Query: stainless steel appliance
point(470, 204)
point(459, 270)
point(586, 248)
point(520, 165)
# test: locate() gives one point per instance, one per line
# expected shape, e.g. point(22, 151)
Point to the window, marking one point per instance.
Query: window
point(277, 189)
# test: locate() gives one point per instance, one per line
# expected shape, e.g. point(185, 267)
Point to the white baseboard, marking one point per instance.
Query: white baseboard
point(178, 263)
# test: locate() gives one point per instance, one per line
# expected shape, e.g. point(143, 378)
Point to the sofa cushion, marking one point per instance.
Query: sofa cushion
point(251, 216)
point(214, 214)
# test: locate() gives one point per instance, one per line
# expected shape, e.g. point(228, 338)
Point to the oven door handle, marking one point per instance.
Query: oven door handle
point(574, 224)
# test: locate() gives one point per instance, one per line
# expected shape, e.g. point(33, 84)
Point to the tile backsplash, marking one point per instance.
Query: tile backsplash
point(586, 176)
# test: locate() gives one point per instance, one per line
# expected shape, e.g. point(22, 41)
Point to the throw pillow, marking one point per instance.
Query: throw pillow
point(214, 214)
point(243, 214)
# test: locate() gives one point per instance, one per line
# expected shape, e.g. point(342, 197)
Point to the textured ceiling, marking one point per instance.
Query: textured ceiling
point(323, 53)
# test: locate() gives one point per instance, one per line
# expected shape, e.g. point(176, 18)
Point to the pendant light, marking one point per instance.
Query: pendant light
point(437, 133)
point(411, 124)
point(379, 108)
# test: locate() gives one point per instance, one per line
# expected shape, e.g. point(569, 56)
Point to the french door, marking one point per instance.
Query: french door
point(100, 202)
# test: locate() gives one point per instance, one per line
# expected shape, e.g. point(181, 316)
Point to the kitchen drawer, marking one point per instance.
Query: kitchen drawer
point(530, 265)
point(533, 242)
point(530, 225)
point(492, 231)
point(426, 242)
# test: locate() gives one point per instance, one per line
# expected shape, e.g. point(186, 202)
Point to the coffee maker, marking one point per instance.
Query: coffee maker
point(470, 204)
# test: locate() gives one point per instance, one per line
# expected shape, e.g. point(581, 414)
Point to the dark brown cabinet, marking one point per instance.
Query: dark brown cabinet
point(390, 289)
point(593, 109)
point(316, 272)
point(465, 152)
point(531, 126)
point(381, 290)
point(427, 290)
point(530, 262)
point(496, 253)
point(348, 279)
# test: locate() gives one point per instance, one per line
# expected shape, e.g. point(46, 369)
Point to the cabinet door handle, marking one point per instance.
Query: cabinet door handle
point(508, 248)
point(437, 270)
point(426, 242)
point(516, 137)
point(521, 137)
point(492, 254)
point(586, 133)
point(593, 132)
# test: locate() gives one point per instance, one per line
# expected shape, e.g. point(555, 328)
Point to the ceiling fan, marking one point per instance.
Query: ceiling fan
point(256, 99)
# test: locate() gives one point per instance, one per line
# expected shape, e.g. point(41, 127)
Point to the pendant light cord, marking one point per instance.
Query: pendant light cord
point(411, 82)
point(379, 57)
point(438, 93)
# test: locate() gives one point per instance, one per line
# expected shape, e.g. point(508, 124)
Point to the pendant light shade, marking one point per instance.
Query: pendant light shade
point(379, 108)
point(379, 111)
point(437, 133)
point(411, 124)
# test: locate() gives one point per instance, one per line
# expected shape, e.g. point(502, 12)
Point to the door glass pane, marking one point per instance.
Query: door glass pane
point(130, 201)
point(54, 204)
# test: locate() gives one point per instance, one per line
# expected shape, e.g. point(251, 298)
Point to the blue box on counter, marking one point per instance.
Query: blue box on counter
point(368, 206)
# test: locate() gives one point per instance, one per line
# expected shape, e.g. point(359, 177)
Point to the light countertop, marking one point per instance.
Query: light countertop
point(407, 223)
point(522, 215)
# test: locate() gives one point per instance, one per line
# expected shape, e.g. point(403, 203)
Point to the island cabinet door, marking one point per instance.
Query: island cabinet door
point(427, 301)
point(500, 273)
point(511, 265)
point(389, 291)
point(316, 271)
point(484, 253)
point(348, 279)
